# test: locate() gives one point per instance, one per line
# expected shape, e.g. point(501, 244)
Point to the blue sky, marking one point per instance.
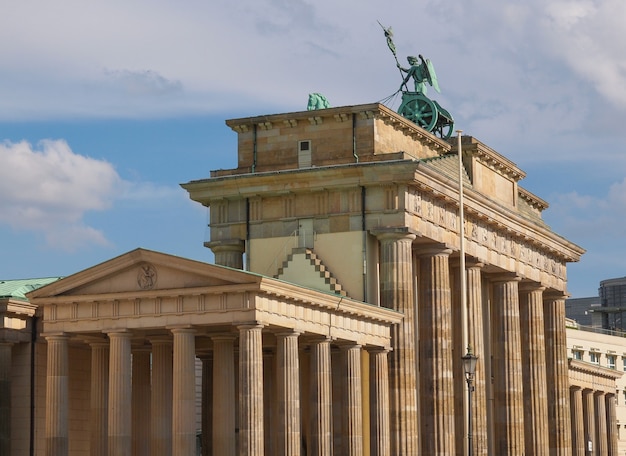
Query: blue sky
point(105, 107)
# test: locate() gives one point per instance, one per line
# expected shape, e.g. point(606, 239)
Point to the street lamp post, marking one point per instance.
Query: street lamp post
point(469, 367)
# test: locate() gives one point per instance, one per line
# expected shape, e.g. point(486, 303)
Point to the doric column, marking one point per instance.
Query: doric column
point(99, 397)
point(380, 444)
point(557, 376)
point(228, 252)
point(207, 403)
point(589, 412)
point(534, 370)
point(270, 412)
point(251, 390)
point(396, 292)
point(476, 334)
point(578, 428)
point(353, 402)
point(57, 409)
point(161, 397)
point(601, 434)
point(507, 367)
point(224, 438)
point(435, 353)
point(321, 399)
point(611, 424)
point(5, 397)
point(141, 395)
point(120, 422)
point(288, 391)
point(184, 392)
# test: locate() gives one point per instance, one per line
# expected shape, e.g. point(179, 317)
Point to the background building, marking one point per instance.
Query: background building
point(597, 387)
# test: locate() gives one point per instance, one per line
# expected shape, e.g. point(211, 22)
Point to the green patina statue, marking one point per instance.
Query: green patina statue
point(416, 106)
point(317, 101)
point(421, 73)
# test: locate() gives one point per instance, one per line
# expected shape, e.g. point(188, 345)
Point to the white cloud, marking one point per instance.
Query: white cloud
point(49, 189)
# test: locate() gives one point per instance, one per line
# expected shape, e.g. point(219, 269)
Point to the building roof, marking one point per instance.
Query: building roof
point(17, 288)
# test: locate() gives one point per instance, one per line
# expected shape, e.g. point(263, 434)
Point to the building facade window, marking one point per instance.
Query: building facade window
point(594, 358)
point(624, 362)
point(610, 361)
point(578, 354)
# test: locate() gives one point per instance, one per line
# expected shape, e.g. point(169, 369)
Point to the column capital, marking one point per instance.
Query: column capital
point(398, 232)
point(161, 339)
point(377, 350)
point(96, 341)
point(55, 335)
point(226, 245)
point(527, 286)
point(555, 295)
point(186, 329)
point(347, 345)
point(288, 333)
point(438, 249)
point(118, 333)
point(318, 339)
point(251, 325)
point(474, 263)
point(222, 245)
point(223, 336)
point(505, 277)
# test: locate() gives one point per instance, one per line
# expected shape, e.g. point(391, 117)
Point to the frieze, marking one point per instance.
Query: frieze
point(482, 231)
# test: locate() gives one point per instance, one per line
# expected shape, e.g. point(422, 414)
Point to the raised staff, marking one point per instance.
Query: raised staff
point(416, 106)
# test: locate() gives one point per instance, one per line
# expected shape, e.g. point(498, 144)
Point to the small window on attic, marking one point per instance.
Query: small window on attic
point(304, 154)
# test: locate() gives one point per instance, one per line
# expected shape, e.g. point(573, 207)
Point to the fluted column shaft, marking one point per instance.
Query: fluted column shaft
point(99, 398)
point(184, 392)
point(207, 404)
point(224, 443)
point(476, 341)
point(578, 428)
point(611, 425)
point(321, 399)
point(57, 396)
point(534, 370)
point(557, 376)
point(288, 384)
point(380, 444)
point(435, 354)
point(251, 391)
point(141, 395)
point(120, 388)
point(507, 367)
point(5, 397)
point(396, 292)
point(353, 402)
point(270, 413)
point(589, 412)
point(601, 434)
point(161, 397)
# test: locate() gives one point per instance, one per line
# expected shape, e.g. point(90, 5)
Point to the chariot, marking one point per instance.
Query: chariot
point(426, 113)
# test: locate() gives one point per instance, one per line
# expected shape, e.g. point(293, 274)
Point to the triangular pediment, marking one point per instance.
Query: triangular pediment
point(143, 270)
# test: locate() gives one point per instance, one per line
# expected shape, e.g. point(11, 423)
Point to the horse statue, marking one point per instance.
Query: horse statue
point(317, 101)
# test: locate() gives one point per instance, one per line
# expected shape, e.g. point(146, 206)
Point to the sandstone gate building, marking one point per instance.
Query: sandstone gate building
point(330, 323)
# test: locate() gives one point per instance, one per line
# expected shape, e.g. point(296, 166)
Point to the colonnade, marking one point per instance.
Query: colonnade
point(516, 330)
point(143, 397)
point(594, 429)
